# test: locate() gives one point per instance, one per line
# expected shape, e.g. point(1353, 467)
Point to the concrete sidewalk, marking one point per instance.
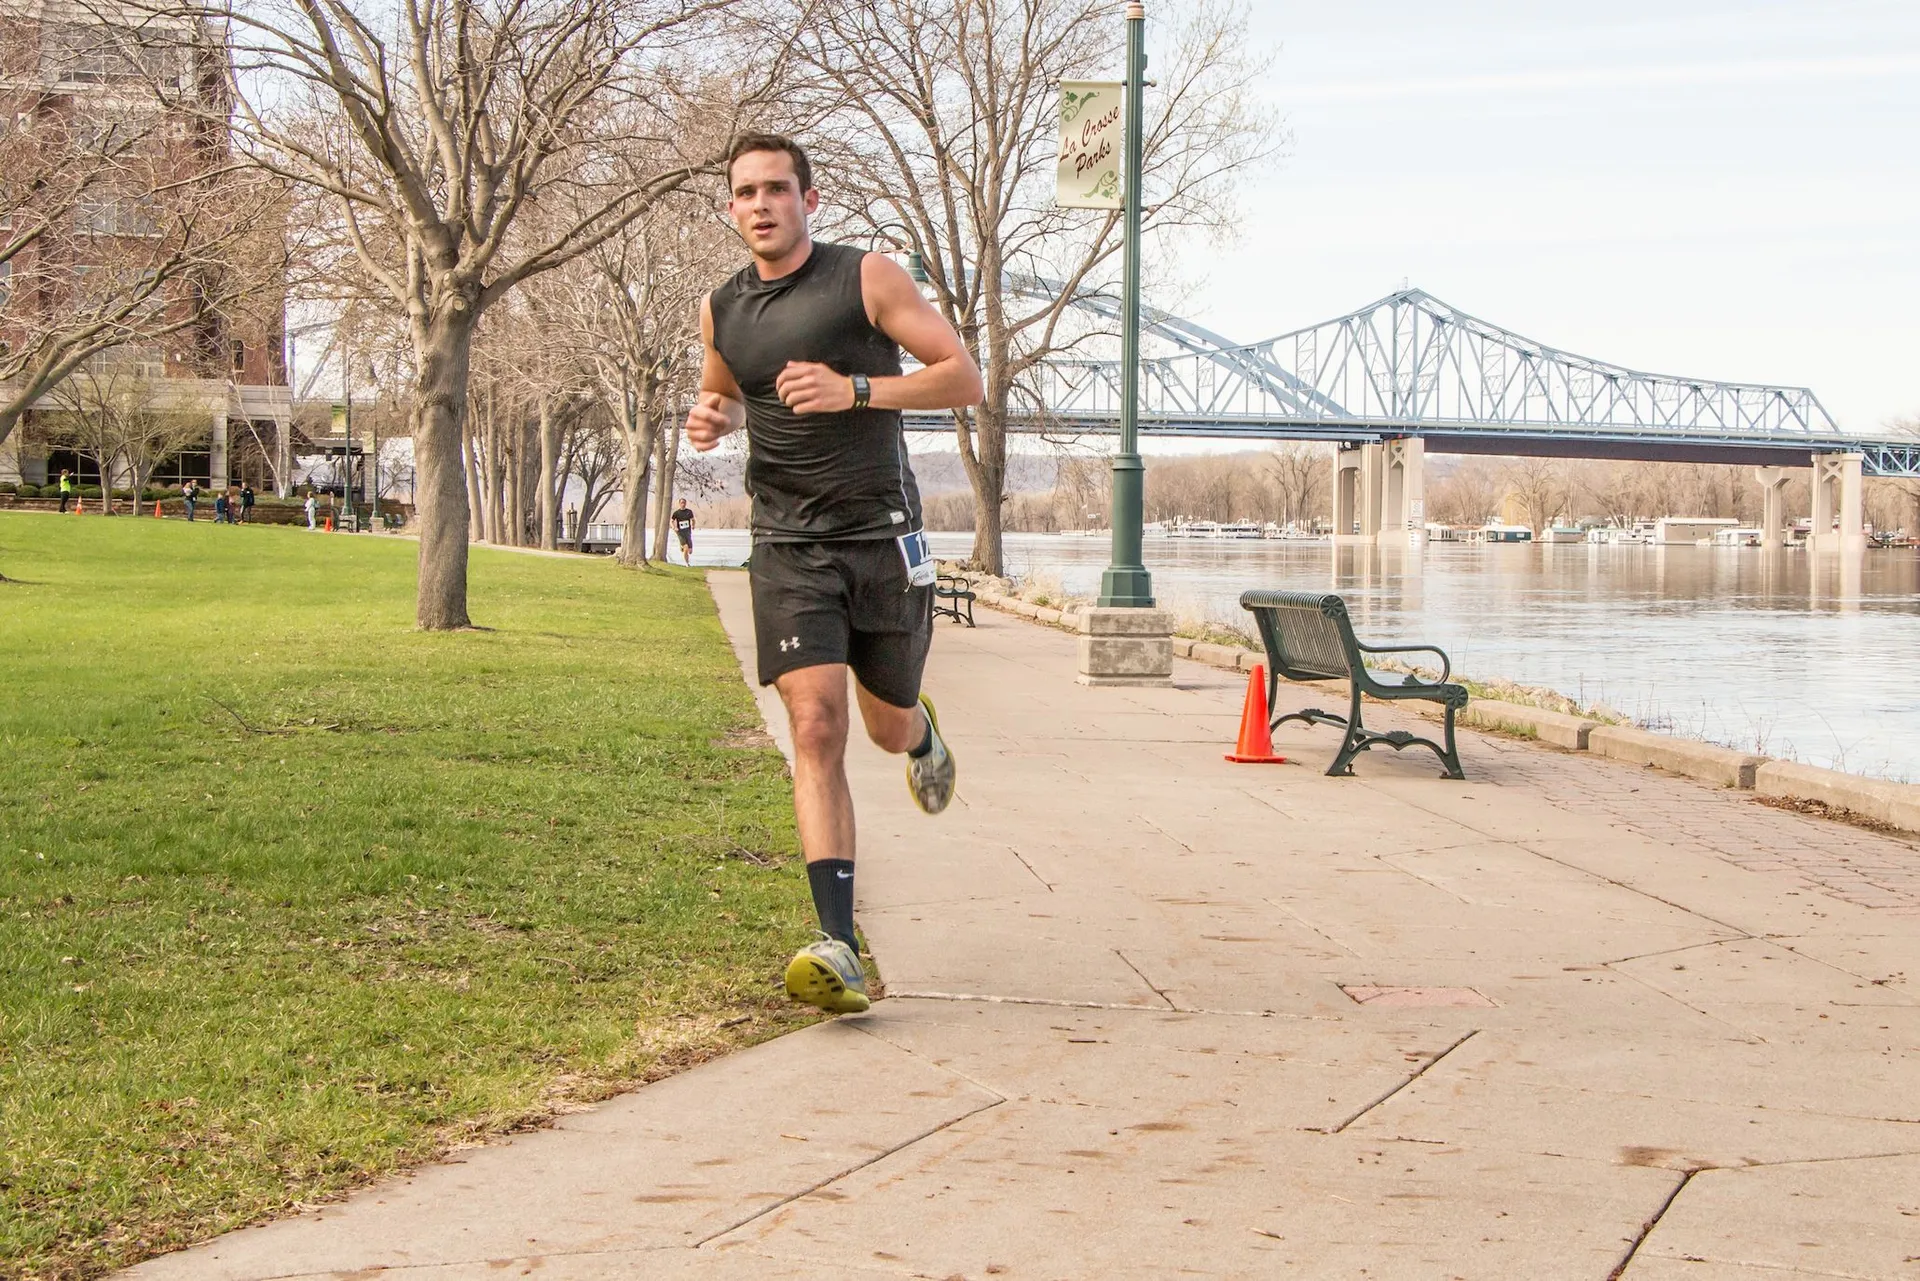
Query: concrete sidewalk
point(1151, 1014)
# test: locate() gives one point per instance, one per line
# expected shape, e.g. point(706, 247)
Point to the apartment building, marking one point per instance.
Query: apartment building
point(76, 92)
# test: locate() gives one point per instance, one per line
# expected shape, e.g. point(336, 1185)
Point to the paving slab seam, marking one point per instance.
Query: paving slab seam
point(1780, 941)
point(1674, 951)
point(1740, 1033)
point(984, 998)
point(1306, 924)
point(1646, 1229)
point(1728, 926)
point(1417, 1073)
point(875, 1159)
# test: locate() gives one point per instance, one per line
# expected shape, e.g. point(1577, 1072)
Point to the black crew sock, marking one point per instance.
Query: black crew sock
point(926, 740)
point(832, 882)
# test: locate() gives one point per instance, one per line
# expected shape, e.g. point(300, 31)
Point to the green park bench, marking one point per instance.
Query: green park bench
point(957, 597)
point(1309, 637)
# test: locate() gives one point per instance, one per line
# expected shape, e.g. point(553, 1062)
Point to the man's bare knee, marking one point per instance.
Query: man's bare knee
point(816, 711)
point(818, 731)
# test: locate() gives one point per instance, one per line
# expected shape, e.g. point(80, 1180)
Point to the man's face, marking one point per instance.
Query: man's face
point(767, 206)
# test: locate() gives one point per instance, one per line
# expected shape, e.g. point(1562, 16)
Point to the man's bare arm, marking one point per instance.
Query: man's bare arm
point(947, 378)
point(720, 409)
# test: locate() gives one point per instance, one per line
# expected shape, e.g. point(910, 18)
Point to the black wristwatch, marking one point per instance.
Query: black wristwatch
point(862, 391)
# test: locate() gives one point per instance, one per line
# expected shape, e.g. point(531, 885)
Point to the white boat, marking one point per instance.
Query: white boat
point(1737, 537)
point(1239, 529)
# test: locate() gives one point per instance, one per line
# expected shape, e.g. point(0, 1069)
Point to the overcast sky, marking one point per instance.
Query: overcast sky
point(1716, 190)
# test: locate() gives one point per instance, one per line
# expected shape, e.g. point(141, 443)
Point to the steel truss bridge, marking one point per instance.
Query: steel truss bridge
point(1411, 365)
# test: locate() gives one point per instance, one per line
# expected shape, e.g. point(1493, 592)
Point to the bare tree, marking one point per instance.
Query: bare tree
point(125, 418)
point(943, 121)
point(436, 125)
point(1540, 487)
point(1467, 495)
point(630, 311)
point(1298, 470)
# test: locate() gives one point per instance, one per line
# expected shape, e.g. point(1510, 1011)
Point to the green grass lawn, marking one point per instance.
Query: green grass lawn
point(292, 895)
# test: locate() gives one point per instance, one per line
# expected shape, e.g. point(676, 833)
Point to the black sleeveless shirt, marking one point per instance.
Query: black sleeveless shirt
point(815, 477)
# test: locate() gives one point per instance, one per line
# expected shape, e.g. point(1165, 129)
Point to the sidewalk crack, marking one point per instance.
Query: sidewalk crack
point(1418, 1072)
point(1646, 1229)
point(1144, 979)
point(1036, 876)
point(789, 1199)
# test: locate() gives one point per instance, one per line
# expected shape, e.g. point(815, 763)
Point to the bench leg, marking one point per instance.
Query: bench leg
point(1352, 745)
point(1450, 758)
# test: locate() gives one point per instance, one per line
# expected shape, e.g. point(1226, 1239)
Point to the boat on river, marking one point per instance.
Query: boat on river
point(1495, 532)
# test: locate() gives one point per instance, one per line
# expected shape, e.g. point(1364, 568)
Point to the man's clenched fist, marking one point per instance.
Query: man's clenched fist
point(709, 420)
point(809, 388)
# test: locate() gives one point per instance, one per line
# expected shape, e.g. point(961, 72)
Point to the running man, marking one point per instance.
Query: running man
point(683, 528)
point(803, 350)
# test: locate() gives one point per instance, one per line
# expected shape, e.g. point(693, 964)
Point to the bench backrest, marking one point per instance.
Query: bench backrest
point(1308, 635)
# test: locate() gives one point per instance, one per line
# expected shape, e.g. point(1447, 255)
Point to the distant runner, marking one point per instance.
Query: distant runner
point(683, 527)
point(803, 349)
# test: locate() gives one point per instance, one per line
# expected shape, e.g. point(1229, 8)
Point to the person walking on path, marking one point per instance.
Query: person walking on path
point(66, 489)
point(246, 504)
point(803, 350)
point(191, 493)
point(311, 508)
point(683, 529)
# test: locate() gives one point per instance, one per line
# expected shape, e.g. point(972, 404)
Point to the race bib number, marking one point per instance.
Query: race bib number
point(919, 561)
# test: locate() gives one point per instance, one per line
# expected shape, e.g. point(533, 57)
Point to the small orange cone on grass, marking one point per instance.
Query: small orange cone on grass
point(1256, 742)
point(157, 515)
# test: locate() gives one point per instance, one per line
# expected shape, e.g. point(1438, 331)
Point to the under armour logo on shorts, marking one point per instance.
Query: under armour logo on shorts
point(786, 645)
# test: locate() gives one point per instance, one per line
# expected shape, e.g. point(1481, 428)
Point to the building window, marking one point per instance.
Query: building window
point(115, 217)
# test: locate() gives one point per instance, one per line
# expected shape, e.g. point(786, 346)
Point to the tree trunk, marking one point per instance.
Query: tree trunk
point(439, 409)
point(549, 536)
point(470, 465)
point(666, 463)
point(638, 438)
point(987, 472)
point(515, 439)
point(490, 469)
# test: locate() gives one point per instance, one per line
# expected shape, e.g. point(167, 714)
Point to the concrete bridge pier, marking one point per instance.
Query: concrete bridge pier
point(1357, 475)
point(1773, 506)
point(1837, 484)
point(1404, 505)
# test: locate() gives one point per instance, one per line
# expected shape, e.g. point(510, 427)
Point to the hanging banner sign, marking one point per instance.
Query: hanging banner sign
point(1092, 137)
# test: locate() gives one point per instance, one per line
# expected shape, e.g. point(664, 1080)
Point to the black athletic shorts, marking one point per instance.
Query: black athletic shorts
point(842, 602)
point(686, 537)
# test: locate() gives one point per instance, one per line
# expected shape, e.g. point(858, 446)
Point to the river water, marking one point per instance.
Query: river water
point(1803, 657)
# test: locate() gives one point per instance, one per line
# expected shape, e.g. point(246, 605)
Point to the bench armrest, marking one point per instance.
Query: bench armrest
point(1446, 664)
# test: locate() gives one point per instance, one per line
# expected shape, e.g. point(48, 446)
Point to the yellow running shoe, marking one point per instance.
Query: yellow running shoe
point(930, 777)
point(827, 974)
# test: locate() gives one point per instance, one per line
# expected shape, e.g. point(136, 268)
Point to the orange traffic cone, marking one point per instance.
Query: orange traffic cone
point(1256, 742)
point(329, 525)
point(157, 514)
point(79, 505)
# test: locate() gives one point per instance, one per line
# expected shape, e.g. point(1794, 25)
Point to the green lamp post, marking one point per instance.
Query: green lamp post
point(347, 514)
point(916, 265)
point(1126, 582)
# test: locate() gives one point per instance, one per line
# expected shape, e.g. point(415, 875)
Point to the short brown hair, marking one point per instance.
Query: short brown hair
point(771, 142)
